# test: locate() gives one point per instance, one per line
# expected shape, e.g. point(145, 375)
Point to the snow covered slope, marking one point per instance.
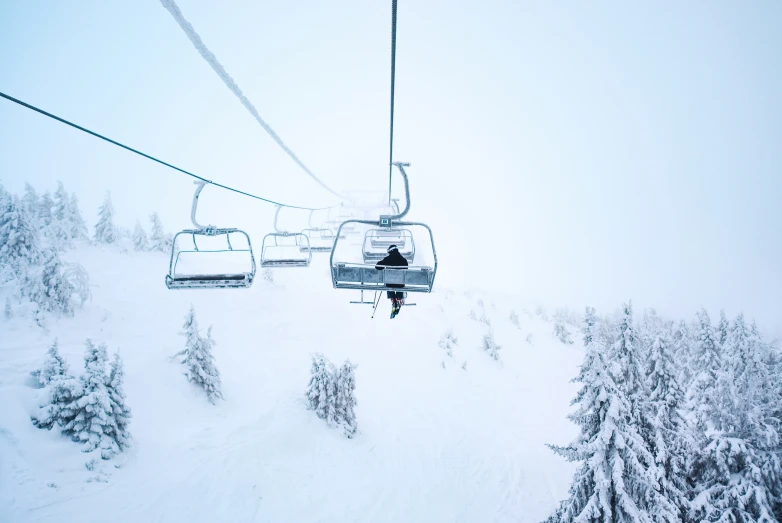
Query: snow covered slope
point(437, 442)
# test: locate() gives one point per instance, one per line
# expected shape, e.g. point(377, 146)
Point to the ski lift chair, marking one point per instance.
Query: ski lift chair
point(321, 239)
point(366, 277)
point(202, 274)
point(278, 251)
point(377, 241)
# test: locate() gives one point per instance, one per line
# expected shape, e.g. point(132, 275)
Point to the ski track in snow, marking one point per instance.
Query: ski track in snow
point(434, 444)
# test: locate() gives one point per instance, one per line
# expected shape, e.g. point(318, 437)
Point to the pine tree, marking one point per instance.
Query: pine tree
point(321, 393)
point(105, 230)
point(8, 313)
point(53, 367)
point(31, 201)
point(159, 240)
point(198, 359)
point(615, 482)
point(562, 333)
point(671, 445)
point(49, 288)
point(707, 363)
point(681, 350)
point(514, 319)
point(345, 401)
point(490, 346)
point(94, 424)
point(62, 403)
point(78, 228)
point(723, 329)
point(59, 228)
point(19, 242)
point(45, 205)
point(140, 242)
point(120, 412)
point(737, 469)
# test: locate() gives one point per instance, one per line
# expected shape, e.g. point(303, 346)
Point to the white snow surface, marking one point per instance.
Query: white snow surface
point(434, 444)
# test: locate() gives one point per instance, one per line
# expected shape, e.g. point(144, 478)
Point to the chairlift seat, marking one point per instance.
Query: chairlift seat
point(289, 257)
point(367, 277)
point(210, 281)
point(217, 280)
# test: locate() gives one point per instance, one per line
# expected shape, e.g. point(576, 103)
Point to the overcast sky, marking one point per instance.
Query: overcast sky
point(576, 153)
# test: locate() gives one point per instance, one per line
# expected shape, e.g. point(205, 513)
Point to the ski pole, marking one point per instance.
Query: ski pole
point(374, 309)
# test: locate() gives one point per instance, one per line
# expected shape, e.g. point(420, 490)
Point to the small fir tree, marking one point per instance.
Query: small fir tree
point(119, 410)
point(78, 227)
point(49, 288)
point(159, 240)
point(45, 206)
point(345, 400)
point(94, 424)
point(321, 396)
point(140, 242)
point(54, 366)
point(8, 313)
point(19, 242)
point(514, 319)
point(490, 346)
point(198, 359)
point(31, 201)
point(105, 230)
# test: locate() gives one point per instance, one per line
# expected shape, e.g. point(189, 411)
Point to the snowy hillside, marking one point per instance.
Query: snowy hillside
point(441, 438)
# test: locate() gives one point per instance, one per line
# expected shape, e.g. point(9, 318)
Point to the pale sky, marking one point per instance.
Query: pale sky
point(575, 153)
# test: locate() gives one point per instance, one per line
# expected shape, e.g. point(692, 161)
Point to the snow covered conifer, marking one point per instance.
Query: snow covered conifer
point(345, 401)
point(159, 240)
point(19, 242)
point(321, 393)
point(681, 351)
point(702, 395)
point(514, 319)
point(105, 230)
point(61, 407)
point(562, 332)
point(588, 328)
point(60, 209)
point(31, 201)
point(8, 312)
point(671, 446)
point(626, 353)
point(616, 481)
point(490, 346)
point(723, 328)
point(49, 288)
point(45, 206)
point(53, 367)
point(78, 228)
point(140, 242)
point(737, 469)
point(198, 359)
point(119, 410)
point(94, 424)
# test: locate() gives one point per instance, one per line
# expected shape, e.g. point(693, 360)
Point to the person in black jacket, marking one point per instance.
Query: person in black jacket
point(394, 259)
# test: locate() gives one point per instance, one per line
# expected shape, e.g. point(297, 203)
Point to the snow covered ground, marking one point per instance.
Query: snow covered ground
point(436, 442)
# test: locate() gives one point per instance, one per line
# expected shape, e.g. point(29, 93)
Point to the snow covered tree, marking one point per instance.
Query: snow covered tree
point(562, 332)
point(447, 342)
point(60, 208)
point(31, 201)
point(514, 319)
point(616, 481)
point(723, 329)
point(45, 206)
point(105, 230)
point(588, 327)
point(120, 412)
point(737, 469)
point(78, 228)
point(321, 393)
point(672, 445)
point(19, 242)
point(707, 363)
point(49, 288)
point(198, 359)
point(94, 424)
point(159, 240)
point(345, 400)
point(490, 346)
point(681, 351)
point(53, 367)
point(61, 407)
point(8, 312)
point(140, 242)
point(59, 229)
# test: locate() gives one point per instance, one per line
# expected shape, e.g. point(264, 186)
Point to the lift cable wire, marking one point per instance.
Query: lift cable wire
point(243, 193)
point(217, 67)
point(393, 78)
